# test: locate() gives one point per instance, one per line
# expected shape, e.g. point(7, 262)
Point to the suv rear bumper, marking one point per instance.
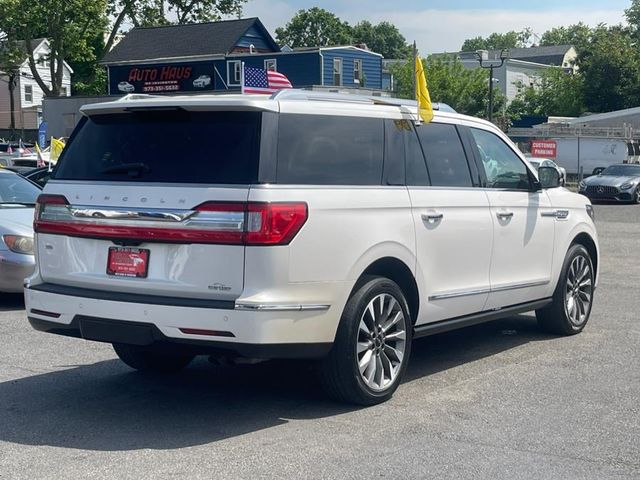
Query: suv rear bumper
point(249, 333)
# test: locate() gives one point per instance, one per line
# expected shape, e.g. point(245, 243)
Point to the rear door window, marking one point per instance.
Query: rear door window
point(446, 158)
point(330, 150)
point(173, 146)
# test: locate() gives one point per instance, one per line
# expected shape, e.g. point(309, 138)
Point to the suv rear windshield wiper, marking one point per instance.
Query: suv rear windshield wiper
point(130, 168)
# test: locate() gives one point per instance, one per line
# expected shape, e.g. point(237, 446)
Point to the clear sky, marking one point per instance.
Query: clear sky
point(442, 25)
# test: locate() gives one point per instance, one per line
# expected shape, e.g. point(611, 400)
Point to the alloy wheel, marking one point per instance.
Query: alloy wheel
point(579, 291)
point(381, 342)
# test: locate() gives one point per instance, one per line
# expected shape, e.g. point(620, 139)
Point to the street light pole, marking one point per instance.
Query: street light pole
point(483, 57)
point(490, 114)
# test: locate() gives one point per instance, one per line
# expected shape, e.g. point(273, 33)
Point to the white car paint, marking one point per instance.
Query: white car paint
point(466, 263)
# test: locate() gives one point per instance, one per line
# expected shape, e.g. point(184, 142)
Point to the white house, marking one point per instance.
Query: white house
point(28, 94)
point(523, 66)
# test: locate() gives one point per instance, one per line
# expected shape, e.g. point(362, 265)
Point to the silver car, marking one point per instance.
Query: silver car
point(17, 200)
point(619, 182)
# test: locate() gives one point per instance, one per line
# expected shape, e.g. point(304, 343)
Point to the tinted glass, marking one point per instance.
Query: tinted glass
point(502, 166)
point(394, 168)
point(622, 170)
point(328, 150)
point(164, 146)
point(16, 191)
point(446, 160)
point(416, 167)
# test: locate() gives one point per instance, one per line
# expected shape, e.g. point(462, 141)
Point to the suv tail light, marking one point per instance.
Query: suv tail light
point(230, 223)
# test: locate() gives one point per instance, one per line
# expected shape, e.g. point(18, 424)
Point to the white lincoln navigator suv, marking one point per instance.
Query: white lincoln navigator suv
point(301, 225)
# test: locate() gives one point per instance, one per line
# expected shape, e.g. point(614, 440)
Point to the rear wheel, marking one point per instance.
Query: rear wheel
point(571, 306)
point(147, 361)
point(372, 345)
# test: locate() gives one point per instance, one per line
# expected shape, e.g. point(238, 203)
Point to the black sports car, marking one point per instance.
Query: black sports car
point(619, 182)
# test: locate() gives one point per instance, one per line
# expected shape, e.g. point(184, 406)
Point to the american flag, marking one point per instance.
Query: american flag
point(257, 80)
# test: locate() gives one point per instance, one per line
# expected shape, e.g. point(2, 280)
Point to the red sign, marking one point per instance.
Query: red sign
point(544, 148)
point(128, 262)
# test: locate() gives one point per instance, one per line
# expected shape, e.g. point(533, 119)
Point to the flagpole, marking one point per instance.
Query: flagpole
point(415, 83)
point(242, 77)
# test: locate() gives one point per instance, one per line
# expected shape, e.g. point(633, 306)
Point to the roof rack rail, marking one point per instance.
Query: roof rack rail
point(137, 96)
point(297, 94)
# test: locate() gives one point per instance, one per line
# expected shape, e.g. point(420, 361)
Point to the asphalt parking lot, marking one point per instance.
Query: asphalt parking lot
point(500, 400)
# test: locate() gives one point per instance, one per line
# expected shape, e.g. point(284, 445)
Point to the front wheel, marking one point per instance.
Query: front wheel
point(372, 345)
point(148, 361)
point(636, 195)
point(572, 301)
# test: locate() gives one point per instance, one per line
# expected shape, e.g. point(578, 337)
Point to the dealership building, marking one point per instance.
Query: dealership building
point(208, 57)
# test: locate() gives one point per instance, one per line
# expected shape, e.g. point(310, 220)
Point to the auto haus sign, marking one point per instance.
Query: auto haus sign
point(172, 77)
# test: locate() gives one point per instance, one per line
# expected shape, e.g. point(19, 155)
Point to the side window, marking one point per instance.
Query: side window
point(329, 150)
point(234, 69)
point(502, 166)
point(446, 159)
point(394, 168)
point(416, 167)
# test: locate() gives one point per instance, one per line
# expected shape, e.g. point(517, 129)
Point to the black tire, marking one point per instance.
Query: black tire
point(636, 196)
point(339, 373)
point(557, 317)
point(147, 361)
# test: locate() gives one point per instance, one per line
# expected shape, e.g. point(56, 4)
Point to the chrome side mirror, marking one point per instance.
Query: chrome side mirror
point(549, 177)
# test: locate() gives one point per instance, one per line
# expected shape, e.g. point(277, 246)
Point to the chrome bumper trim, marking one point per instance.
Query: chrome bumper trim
point(280, 308)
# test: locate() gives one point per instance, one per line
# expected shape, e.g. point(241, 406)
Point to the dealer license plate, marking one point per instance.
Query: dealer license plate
point(128, 262)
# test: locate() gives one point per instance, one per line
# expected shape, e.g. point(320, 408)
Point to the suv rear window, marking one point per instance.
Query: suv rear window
point(330, 150)
point(173, 146)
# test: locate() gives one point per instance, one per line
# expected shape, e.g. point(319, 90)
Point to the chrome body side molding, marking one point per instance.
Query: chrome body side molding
point(482, 291)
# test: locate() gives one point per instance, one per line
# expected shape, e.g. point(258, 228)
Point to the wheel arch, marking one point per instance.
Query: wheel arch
point(396, 270)
point(584, 239)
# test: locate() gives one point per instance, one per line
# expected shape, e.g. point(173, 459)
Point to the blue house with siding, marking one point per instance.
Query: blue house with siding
point(208, 57)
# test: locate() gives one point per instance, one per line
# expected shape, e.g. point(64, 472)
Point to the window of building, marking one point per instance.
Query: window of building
point(28, 93)
point(271, 65)
point(502, 166)
point(337, 71)
point(234, 72)
point(446, 159)
point(330, 150)
point(357, 71)
point(63, 91)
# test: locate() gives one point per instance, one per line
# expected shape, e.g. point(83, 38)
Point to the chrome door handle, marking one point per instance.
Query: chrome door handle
point(504, 215)
point(432, 217)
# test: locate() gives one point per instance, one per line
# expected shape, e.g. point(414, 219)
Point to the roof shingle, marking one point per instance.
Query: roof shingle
point(175, 41)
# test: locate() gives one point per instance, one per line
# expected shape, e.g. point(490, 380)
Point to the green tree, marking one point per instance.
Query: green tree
point(557, 93)
point(450, 82)
point(498, 41)
point(69, 25)
point(611, 70)
point(315, 27)
point(578, 35)
point(632, 15)
point(383, 38)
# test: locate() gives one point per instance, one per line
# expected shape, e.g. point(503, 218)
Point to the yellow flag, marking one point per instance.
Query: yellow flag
point(422, 93)
point(56, 148)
